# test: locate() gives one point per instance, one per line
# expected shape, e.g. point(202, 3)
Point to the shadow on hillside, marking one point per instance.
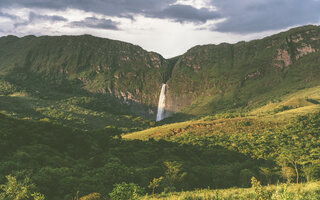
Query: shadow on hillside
point(93, 162)
point(56, 89)
point(175, 118)
point(206, 165)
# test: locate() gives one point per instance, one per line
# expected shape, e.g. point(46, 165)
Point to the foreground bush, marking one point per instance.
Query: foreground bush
point(125, 191)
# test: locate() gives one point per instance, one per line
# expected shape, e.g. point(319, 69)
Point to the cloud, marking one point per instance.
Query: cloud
point(93, 22)
point(124, 8)
point(186, 13)
point(52, 18)
point(37, 18)
point(9, 16)
point(250, 16)
point(141, 21)
point(106, 7)
point(245, 16)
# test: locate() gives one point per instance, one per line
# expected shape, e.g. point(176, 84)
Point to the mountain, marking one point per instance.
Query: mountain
point(77, 76)
point(77, 118)
point(90, 82)
point(101, 65)
point(212, 78)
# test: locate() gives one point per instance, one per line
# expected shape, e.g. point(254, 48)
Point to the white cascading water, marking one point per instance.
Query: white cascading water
point(162, 103)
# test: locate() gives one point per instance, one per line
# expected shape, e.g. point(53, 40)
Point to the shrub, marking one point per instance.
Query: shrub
point(16, 189)
point(282, 194)
point(243, 123)
point(92, 196)
point(125, 191)
point(282, 108)
point(260, 192)
point(38, 196)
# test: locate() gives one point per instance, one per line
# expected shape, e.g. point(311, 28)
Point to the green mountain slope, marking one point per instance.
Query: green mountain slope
point(212, 78)
point(100, 65)
point(82, 81)
point(90, 82)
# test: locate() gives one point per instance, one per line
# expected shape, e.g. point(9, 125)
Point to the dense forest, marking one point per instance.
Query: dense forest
point(242, 120)
point(62, 162)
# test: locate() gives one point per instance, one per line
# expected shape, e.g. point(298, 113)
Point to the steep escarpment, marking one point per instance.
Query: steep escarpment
point(212, 78)
point(97, 65)
point(118, 78)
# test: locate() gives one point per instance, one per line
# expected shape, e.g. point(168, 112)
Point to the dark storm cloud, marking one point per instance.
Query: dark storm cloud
point(93, 22)
point(242, 16)
point(6, 15)
point(183, 13)
point(248, 16)
point(52, 18)
point(122, 8)
point(34, 18)
point(106, 7)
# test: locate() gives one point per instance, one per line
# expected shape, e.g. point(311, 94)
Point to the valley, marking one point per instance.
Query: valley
point(78, 119)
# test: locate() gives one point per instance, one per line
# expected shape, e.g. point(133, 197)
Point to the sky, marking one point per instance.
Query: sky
point(168, 27)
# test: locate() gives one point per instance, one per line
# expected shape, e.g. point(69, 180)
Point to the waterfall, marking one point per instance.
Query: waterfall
point(162, 103)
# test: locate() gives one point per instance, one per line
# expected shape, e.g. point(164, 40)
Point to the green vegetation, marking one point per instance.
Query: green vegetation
point(244, 76)
point(75, 119)
point(305, 191)
point(16, 190)
point(81, 81)
point(124, 191)
point(89, 83)
point(61, 161)
point(61, 102)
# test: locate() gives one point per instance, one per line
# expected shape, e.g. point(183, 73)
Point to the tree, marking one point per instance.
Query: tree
point(19, 190)
point(245, 176)
point(16, 190)
point(293, 157)
point(267, 172)
point(287, 173)
point(309, 171)
point(125, 191)
point(155, 183)
point(173, 175)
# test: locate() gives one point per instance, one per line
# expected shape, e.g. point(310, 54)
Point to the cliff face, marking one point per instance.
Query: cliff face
point(97, 65)
point(205, 79)
point(215, 77)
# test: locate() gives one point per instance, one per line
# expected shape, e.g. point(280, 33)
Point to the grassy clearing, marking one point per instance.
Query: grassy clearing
point(278, 192)
point(205, 128)
point(209, 125)
point(302, 101)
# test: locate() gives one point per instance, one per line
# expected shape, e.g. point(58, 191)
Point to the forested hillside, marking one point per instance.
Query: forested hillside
point(77, 119)
point(61, 161)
